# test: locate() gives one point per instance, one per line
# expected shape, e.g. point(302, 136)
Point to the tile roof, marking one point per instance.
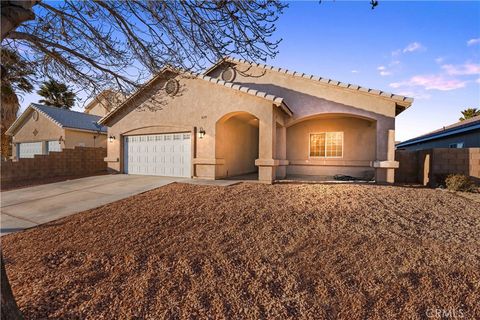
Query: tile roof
point(70, 119)
point(395, 97)
point(276, 100)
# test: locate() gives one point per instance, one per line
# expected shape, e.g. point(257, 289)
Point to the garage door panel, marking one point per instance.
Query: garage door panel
point(54, 146)
point(29, 149)
point(161, 154)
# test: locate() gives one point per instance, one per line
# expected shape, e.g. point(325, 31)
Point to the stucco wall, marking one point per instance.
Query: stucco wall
point(104, 102)
point(198, 104)
point(237, 144)
point(306, 97)
point(98, 110)
point(45, 128)
point(358, 146)
point(74, 138)
point(310, 98)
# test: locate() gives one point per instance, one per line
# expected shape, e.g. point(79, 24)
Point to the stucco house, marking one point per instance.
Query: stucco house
point(41, 129)
point(462, 134)
point(104, 102)
point(240, 117)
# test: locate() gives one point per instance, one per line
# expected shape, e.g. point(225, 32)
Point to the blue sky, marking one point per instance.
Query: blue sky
point(419, 49)
point(428, 50)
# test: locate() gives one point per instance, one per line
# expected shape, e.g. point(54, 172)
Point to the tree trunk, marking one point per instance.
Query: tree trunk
point(9, 308)
point(14, 13)
point(9, 110)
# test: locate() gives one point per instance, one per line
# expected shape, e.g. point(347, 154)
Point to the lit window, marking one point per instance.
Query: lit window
point(456, 145)
point(326, 144)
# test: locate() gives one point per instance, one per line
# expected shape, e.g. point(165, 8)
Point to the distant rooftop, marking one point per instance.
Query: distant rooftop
point(458, 127)
point(70, 119)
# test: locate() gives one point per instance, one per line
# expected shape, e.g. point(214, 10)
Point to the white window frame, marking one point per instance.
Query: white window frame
point(325, 157)
point(456, 145)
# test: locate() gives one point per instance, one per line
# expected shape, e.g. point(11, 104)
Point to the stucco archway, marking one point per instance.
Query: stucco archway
point(330, 115)
point(237, 144)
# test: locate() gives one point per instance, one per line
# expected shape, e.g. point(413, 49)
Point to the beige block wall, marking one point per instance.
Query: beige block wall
point(79, 161)
point(198, 104)
point(431, 166)
point(75, 138)
point(359, 137)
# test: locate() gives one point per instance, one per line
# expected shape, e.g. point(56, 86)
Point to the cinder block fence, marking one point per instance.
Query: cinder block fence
point(79, 161)
point(431, 166)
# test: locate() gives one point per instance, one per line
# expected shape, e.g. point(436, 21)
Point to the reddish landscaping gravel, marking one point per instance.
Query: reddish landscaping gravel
point(254, 251)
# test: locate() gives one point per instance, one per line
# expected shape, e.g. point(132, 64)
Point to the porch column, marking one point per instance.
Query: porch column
point(266, 143)
point(281, 151)
point(385, 164)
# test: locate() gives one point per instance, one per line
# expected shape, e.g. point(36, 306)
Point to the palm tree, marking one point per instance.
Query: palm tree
point(16, 78)
point(56, 94)
point(469, 113)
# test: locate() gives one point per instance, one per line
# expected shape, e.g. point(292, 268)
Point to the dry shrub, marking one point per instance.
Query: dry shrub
point(460, 182)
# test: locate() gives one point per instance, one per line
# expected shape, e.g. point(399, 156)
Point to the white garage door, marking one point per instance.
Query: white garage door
point(54, 146)
point(159, 154)
point(29, 149)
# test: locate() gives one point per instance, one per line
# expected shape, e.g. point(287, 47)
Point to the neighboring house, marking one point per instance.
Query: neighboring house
point(463, 134)
point(41, 129)
point(240, 117)
point(104, 102)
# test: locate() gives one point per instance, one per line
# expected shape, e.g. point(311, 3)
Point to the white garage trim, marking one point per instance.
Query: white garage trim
point(168, 154)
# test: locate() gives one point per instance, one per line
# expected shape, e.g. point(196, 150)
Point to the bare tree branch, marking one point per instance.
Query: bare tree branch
point(98, 45)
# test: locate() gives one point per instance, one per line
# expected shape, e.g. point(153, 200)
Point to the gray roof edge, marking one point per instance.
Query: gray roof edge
point(440, 134)
point(94, 119)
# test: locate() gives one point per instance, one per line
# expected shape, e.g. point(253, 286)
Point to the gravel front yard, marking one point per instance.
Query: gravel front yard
point(254, 251)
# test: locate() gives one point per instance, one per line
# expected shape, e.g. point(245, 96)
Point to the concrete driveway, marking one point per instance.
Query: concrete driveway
point(29, 207)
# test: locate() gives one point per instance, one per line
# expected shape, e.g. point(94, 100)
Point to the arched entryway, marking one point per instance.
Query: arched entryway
point(236, 145)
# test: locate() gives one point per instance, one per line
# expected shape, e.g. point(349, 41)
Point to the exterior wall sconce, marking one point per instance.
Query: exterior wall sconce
point(111, 138)
point(201, 133)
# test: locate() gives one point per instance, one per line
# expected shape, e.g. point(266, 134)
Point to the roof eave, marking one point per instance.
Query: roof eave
point(13, 127)
point(401, 106)
point(276, 100)
point(214, 66)
point(85, 130)
point(22, 117)
point(401, 100)
point(438, 135)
